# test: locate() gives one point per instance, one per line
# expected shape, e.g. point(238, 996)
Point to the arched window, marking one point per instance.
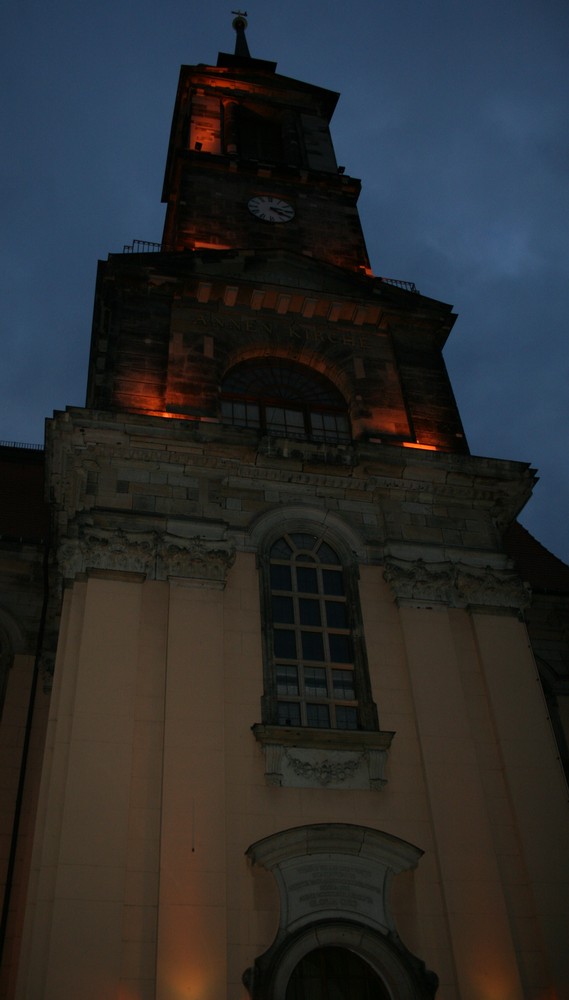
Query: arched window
point(316, 674)
point(334, 974)
point(286, 400)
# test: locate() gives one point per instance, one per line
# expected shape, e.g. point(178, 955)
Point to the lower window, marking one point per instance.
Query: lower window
point(314, 662)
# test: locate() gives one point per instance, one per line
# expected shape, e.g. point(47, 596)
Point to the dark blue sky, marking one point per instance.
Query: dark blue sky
point(453, 113)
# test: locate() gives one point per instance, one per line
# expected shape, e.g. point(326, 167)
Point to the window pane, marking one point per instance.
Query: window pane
point(283, 610)
point(313, 646)
point(309, 612)
point(275, 419)
point(240, 414)
point(336, 614)
point(281, 550)
point(333, 581)
point(346, 717)
point(288, 713)
point(340, 648)
point(315, 682)
point(327, 554)
point(294, 419)
point(281, 578)
point(318, 716)
point(307, 580)
point(285, 645)
point(343, 682)
point(303, 541)
point(287, 679)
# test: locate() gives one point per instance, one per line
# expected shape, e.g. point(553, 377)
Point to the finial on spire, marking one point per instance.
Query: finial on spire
point(240, 24)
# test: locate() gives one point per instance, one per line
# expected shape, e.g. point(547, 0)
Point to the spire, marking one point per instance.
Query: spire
point(240, 24)
point(242, 58)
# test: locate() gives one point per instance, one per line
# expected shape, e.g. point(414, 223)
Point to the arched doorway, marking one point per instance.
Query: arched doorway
point(334, 974)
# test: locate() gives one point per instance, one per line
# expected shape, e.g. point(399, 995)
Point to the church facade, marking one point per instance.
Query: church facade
point(297, 743)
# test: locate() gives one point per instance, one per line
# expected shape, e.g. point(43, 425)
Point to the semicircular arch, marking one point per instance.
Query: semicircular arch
point(303, 357)
point(267, 527)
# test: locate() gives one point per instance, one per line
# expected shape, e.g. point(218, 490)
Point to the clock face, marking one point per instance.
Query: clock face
point(271, 209)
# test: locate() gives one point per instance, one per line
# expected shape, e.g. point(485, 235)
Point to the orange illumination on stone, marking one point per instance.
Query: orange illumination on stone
point(420, 447)
point(205, 143)
point(201, 245)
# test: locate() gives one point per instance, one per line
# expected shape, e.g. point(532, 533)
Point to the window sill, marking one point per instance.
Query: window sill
point(299, 757)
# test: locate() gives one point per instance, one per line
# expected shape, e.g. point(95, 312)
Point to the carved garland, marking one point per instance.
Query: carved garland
point(324, 771)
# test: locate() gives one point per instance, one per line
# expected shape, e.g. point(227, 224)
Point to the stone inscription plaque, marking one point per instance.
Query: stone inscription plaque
point(335, 883)
point(317, 332)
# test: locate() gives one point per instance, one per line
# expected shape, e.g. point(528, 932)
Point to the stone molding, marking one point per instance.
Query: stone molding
point(498, 487)
point(157, 555)
point(455, 585)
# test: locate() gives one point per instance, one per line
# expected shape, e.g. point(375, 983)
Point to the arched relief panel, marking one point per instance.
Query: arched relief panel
point(334, 884)
point(207, 341)
point(281, 398)
point(340, 375)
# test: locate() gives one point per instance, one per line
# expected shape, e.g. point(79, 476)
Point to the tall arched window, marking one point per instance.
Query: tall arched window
point(316, 674)
point(284, 399)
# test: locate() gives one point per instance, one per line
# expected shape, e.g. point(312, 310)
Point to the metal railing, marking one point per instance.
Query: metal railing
point(143, 246)
point(21, 444)
point(408, 286)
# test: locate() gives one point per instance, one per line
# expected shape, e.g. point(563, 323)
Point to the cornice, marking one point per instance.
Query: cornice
point(377, 467)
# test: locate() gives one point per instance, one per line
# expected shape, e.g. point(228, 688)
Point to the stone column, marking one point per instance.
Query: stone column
point(475, 908)
point(192, 926)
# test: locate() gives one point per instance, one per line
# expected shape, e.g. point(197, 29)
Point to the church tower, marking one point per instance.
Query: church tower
point(297, 736)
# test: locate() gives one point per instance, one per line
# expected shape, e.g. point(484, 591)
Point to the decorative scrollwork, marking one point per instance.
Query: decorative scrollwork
point(456, 584)
point(155, 554)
